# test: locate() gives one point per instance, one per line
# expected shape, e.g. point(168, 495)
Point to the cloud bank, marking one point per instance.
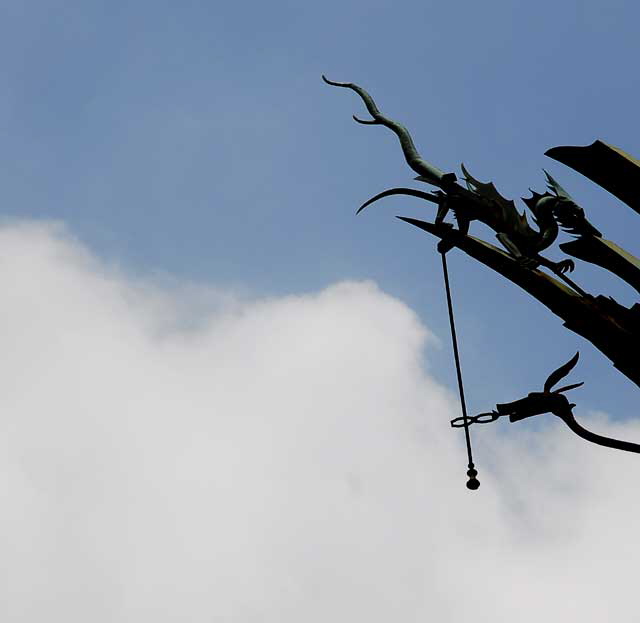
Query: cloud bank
point(178, 453)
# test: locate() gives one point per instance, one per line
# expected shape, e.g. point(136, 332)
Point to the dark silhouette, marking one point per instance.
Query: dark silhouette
point(477, 201)
point(555, 402)
point(611, 327)
point(547, 401)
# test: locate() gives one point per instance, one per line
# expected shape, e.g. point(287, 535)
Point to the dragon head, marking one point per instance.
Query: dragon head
point(546, 401)
point(572, 219)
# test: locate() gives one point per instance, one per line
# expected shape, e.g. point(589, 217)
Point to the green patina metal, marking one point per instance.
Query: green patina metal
point(612, 328)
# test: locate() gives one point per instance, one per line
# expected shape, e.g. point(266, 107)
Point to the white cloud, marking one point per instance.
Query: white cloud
point(178, 453)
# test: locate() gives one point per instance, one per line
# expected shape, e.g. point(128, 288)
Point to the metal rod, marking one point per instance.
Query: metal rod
point(473, 482)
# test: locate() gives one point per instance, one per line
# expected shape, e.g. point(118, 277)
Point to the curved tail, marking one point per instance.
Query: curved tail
point(427, 171)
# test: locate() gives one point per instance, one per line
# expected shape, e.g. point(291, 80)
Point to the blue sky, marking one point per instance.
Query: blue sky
point(199, 140)
point(195, 155)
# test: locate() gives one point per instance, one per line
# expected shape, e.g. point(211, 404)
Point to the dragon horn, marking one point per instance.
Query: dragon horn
point(561, 372)
point(566, 388)
point(431, 174)
point(399, 191)
point(556, 188)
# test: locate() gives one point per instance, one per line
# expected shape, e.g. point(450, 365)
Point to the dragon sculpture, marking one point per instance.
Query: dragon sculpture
point(589, 244)
point(550, 401)
point(475, 200)
point(610, 326)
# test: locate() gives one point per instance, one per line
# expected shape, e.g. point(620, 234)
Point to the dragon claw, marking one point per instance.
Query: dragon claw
point(565, 266)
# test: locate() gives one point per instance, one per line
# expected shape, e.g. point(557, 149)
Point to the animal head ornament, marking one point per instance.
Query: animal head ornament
point(547, 401)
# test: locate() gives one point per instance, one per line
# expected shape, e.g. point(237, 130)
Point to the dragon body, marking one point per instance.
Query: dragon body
point(474, 200)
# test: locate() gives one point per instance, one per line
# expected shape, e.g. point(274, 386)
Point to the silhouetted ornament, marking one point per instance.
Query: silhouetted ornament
point(554, 401)
point(611, 327)
point(473, 483)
